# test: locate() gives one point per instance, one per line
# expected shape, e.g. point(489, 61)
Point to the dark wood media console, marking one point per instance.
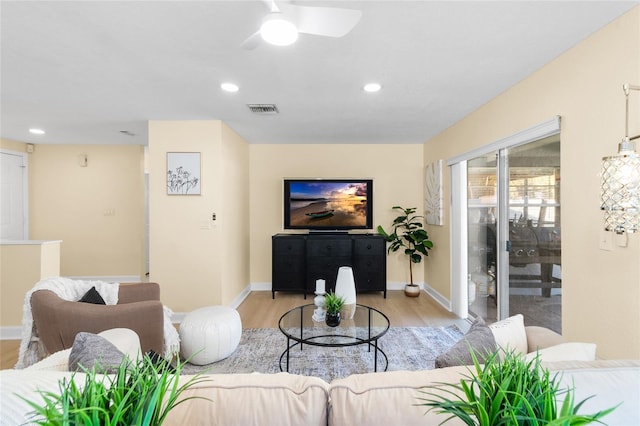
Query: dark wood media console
point(298, 260)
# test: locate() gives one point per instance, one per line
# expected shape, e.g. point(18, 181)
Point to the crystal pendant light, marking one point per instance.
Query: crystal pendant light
point(621, 182)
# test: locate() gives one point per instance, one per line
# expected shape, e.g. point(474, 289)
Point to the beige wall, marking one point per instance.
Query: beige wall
point(71, 203)
point(23, 265)
point(601, 289)
point(199, 261)
point(13, 145)
point(68, 202)
point(234, 214)
point(97, 211)
point(397, 175)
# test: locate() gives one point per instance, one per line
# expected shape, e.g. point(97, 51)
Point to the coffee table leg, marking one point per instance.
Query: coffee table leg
point(301, 328)
point(375, 356)
point(288, 349)
point(369, 346)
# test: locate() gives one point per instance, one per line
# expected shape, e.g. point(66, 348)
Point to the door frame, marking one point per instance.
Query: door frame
point(458, 178)
point(25, 188)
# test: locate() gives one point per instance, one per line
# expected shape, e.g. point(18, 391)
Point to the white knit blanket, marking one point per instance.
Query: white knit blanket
point(31, 348)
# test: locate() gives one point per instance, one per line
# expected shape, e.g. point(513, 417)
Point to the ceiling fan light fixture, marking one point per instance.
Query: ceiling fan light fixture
point(372, 87)
point(278, 30)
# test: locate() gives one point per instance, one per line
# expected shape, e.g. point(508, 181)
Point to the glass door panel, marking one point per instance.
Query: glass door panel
point(513, 234)
point(535, 274)
point(482, 191)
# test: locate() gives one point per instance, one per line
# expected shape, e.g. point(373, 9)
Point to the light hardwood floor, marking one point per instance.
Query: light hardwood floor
point(260, 311)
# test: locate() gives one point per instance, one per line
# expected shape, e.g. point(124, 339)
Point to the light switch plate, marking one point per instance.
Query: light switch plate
point(606, 240)
point(621, 239)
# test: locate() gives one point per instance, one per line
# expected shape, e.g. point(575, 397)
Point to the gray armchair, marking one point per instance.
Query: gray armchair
point(139, 309)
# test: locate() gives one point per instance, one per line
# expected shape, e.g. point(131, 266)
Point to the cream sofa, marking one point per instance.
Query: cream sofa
point(387, 398)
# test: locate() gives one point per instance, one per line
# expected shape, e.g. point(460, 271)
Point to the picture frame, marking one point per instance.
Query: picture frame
point(433, 208)
point(183, 173)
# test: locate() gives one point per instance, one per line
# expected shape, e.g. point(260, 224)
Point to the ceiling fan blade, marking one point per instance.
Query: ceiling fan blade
point(323, 21)
point(252, 41)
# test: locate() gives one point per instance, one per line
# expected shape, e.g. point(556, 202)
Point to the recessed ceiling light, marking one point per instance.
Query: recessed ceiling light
point(372, 87)
point(229, 87)
point(36, 131)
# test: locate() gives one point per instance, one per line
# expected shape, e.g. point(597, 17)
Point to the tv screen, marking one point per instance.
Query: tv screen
point(328, 204)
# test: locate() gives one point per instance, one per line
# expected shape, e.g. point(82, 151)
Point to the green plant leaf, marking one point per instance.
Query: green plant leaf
point(139, 393)
point(507, 390)
point(408, 233)
point(382, 232)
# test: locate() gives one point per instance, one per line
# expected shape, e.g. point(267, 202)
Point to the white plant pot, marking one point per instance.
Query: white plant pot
point(412, 290)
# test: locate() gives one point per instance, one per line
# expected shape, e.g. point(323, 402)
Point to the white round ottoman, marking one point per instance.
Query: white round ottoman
point(210, 334)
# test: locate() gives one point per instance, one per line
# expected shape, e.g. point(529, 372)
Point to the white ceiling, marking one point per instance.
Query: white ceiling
point(86, 70)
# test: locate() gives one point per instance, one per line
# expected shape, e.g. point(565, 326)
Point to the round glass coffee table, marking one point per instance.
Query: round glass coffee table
point(365, 328)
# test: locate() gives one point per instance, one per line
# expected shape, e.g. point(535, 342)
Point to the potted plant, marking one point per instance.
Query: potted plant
point(507, 391)
point(408, 233)
point(139, 393)
point(333, 304)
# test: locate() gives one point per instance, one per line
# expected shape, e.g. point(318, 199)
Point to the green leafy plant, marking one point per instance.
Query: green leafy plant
point(408, 233)
point(139, 393)
point(511, 391)
point(333, 303)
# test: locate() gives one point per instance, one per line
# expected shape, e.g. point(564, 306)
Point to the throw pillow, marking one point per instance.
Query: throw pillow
point(510, 334)
point(572, 351)
point(479, 339)
point(92, 296)
point(92, 351)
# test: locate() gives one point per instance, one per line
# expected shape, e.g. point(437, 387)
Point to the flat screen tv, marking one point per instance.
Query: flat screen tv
point(328, 204)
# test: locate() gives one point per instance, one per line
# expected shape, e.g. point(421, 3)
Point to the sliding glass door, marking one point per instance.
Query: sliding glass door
point(535, 274)
point(482, 218)
point(513, 239)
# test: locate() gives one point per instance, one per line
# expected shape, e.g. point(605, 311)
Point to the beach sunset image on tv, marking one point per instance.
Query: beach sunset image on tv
point(328, 204)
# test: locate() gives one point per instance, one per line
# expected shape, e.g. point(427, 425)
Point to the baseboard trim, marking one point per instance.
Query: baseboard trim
point(178, 317)
point(399, 285)
point(439, 298)
point(11, 333)
point(110, 278)
point(390, 286)
point(240, 298)
point(261, 286)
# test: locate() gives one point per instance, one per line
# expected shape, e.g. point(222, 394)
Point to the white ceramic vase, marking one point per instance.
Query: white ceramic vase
point(346, 288)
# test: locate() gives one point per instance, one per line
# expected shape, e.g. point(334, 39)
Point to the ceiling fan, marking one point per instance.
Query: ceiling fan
point(285, 20)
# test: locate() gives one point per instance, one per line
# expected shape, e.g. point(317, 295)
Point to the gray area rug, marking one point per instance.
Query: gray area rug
point(407, 348)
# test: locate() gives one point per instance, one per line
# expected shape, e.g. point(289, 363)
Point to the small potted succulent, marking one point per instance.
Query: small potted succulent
point(333, 304)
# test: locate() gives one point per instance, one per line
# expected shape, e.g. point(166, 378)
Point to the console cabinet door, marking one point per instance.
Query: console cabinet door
point(288, 264)
point(325, 255)
point(369, 263)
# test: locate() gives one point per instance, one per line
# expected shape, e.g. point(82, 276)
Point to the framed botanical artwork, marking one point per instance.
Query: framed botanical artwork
point(433, 193)
point(183, 173)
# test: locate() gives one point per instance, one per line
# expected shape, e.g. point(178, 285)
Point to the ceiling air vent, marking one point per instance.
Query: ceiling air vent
point(263, 108)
